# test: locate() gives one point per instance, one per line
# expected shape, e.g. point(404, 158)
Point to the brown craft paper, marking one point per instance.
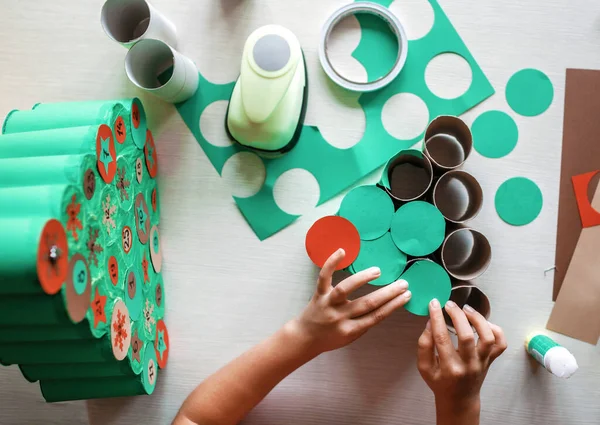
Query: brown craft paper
point(465, 293)
point(448, 143)
point(466, 254)
point(458, 196)
point(575, 313)
point(580, 154)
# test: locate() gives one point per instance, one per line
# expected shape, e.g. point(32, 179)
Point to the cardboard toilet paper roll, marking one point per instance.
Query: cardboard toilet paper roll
point(465, 293)
point(157, 68)
point(43, 333)
point(458, 196)
point(466, 254)
point(129, 21)
point(62, 141)
point(39, 372)
point(448, 143)
point(407, 176)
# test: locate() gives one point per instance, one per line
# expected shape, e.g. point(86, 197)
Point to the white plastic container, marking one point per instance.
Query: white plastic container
point(554, 357)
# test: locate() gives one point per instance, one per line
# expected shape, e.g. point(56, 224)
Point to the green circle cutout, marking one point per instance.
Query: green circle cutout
point(518, 201)
point(529, 92)
point(418, 228)
point(370, 209)
point(80, 277)
point(383, 253)
point(426, 280)
point(495, 134)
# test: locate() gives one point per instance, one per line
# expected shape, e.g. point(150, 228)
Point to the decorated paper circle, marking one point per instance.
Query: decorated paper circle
point(382, 253)
point(155, 251)
point(89, 184)
point(495, 134)
point(124, 183)
point(113, 270)
point(139, 170)
point(120, 330)
point(149, 318)
point(126, 239)
point(418, 228)
point(78, 288)
point(327, 235)
point(161, 344)
point(151, 155)
point(136, 350)
point(519, 201)
point(106, 153)
point(529, 92)
point(142, 218)
point(426, 280)
point(133, 294)
point(154, 199)
point(138, 123)
point(159, 293)
point(120, 130)
point(150, 372)
point(370, 209)
point(98, 309)
point(52, 257)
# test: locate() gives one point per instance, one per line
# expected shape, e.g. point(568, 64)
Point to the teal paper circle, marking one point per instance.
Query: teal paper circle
point(426, 280)
point(418, 228)
point(150, 372)
point(529, 92)
point(518, 201)
point(382, 253)
point(135, 304)
point(495, 134)
point(370, 209)
point(80, 276)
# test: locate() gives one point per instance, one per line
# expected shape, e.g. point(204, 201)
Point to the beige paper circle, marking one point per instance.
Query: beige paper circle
point(78, 304)
point(120, 330)
point(139, 170)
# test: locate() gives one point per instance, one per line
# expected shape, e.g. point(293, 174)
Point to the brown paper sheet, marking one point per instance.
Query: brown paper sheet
point(580, 154)
point(575, 313)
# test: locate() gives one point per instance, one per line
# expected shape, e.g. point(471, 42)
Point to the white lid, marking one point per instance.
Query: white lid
point(561, 362)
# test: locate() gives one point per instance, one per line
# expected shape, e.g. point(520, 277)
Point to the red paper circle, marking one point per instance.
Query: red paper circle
point(327, 235)
point(163, 357)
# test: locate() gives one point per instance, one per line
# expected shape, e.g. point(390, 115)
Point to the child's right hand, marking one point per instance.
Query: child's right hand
point(456, 375)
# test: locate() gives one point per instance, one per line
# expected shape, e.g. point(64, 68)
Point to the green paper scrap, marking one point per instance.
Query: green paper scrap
point(38, 372)
point(426, 280)
point(372, 32)
point(336, 169)
point(495, 134)
point(381, 253)
point(529, 92)
point(518, 201)
point(418, 228)
point(370, 209)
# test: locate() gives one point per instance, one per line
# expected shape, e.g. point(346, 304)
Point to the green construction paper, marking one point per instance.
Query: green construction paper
point(370, 209)
point(40, 372)
point(381, 253)
point(426, 280)
point(373, 32)
point(518, 201)
point(495, 134)
point(32, 310)
point(418, 228)
point(87, 388)
point(26, 171)
point(336, 169)
point(62, 141)
point(79, 331)
point(529, 92)
point(18, 254)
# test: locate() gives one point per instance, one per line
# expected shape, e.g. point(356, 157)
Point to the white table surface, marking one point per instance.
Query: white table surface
point(226, 290)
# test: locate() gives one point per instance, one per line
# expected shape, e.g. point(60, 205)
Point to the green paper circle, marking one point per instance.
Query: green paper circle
point(370, 209)
point(418, 228)
point(518, 201)
point(495, 134)
point(529, 92)
point(383, 253)
point(80, 276)
point(150, 372)
point(426, 280)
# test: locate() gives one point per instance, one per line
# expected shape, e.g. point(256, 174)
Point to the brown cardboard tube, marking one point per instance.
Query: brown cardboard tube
point(408, 176)
point(466, 254)
point(458, 196)
point(465, 293)
point(448, 142)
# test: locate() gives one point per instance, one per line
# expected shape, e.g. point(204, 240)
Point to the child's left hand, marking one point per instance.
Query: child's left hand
point(331, 321)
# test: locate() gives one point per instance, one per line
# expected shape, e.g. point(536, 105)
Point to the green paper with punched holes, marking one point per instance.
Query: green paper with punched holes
point(418, 228)
point(495, 134)
point(370, 209)
point(336, 169)
point(426, 280)
point(380, 253)
point(529, 92)
point(518, 201)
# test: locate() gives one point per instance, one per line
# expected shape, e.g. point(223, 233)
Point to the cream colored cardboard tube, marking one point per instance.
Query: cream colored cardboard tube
point(155, 67)
point(448, 143)
point(465, 293)
point(407, 176)
point(458, 196)
point(129, 21)
point(466, 254)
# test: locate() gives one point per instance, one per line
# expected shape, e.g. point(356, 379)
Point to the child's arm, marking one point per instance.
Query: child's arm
point(330, 321)
point(456, 375)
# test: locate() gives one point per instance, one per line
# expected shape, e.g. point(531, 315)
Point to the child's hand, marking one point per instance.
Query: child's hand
point(331, 321)
point(456, 375)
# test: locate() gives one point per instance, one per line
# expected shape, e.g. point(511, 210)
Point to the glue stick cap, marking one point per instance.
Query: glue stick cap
point(560, 362)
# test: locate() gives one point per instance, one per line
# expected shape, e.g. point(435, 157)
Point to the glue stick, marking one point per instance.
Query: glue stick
point(554, 357)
